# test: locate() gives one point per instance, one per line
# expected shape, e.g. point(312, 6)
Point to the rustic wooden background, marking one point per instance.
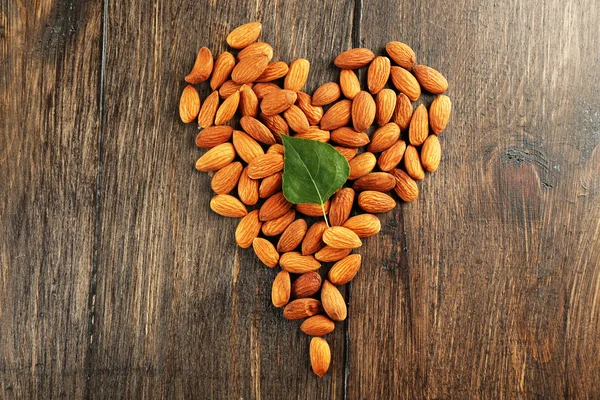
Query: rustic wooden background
point(118, 282)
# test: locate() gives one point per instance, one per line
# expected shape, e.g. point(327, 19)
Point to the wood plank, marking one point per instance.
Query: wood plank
point(487, 286)
point(181, 311)
point(49, 94)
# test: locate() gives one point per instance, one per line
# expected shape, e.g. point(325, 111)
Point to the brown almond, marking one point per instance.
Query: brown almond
point(265, 165)
point(263, 89)
point(276, 226)
point(364, 225)
point(344, 270)
point(189, 104)
point(348, 152)
point(333, 302)
point(320, 356)
point(378, 74)
point(208, 110)
point(313, 210)
point(401, 53)
point(337, 116)
point(431, 80)
point(281, 289)
point(330, 254)
point(439, 113)
point(412, 163)
point(297, 75)
point(292, 236)
point(228, 206)
point(277, 102)
point(250, 68)
point(248, 102)
point(307, 285)
point(257, 130)
point(244, 35)
point(384, 137)
point(361, 165)
point(203, 67)
point(349, 83)
point(255, 49)
point(296, 263)
point(274, 207)
point(318, 325)
point(216, 158)
point(296, 119)
point(213, 136)
point(312, 241)
point(226, 179)
point(274, 70)
point(379, 181)
point(230, 87)
point(431, 153)
point(248, 229)
point(419, 126)
point(276, 125)
point(248, 189)
point(246, 147)
point(313, 113)
point(224, 64)
point(227, 110)
point(265, 251)
point(354, 58)
point(270, 185)
point(386, 104)
point(302, 308)
point(341, 206)
point(327, 93)
point(339, 237)
point(276, 148)
point(403, 112)
point(391, 157)
point(406, 188)
point(405, 82)
point(346, 136)
point(363, 111)
point(375, 202)
point(314, 133)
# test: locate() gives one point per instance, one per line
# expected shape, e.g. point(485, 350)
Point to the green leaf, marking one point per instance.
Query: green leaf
point(312, 170)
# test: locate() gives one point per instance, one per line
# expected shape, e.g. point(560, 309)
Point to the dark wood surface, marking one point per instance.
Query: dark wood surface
point(117, 281)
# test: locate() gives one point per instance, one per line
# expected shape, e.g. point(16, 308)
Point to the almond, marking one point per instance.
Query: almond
point(230, 87)
point(391, 157)
point(327, 93)
point(307, 285)
point(313, 210)
point(208, 110)
point(275, 148)
point(227, 109)
point(349, 83)
point(248, 102)
point(296, 263)
point(378, 74)
point(375, 202)
point(318, 325)
point(256, 49)
point(263, 89)
point(203, 67)
point(361, 165)
point(246, 147)
point(384, 137)
point(344, 270)
point(412, 163)
point(213, 136)
point(333, 302)
point(265, 251)
point(277, 102)
point(314, 133)
point(276, 226)
point(348, 152)
point(386, 104)
point(379, 181)
point(274, 70)
point(228, 206)
point(265, 165)
point(330, 254)
point(244, 35)
point(297, 75)
point(341, 206)
point(406, 188)
point(257, 130)
point(405, 82)
point(312, 241)
point(419, 126)
point(276, 125)
point(320, 356)
point(348, 137)
point(248, 189)
point(354, 58)
point(248, 229)
point(401, 53)
point(313, 113)
point(363, 111)
point(339, 237)
point(189, 104)
point(403, 112)
point(296, 119)
point(250, 68)
point(337, 116)
point(292, 236)
point(431, 153)
point(431, 80)
point(274, 207)
point(364, 225)
point(281, 289)
point(222, 70)
point(226, 179)
point(439, 113)
point(302, 308)
point(216, 158)
point(270, 185)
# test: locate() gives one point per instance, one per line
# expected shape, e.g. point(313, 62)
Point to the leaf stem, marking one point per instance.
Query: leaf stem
point(325, 215)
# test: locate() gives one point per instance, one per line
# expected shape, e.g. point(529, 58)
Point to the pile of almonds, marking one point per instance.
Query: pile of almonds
point(251, 159)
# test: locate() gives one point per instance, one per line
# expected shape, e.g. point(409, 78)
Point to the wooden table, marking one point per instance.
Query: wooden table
point(117, 281)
